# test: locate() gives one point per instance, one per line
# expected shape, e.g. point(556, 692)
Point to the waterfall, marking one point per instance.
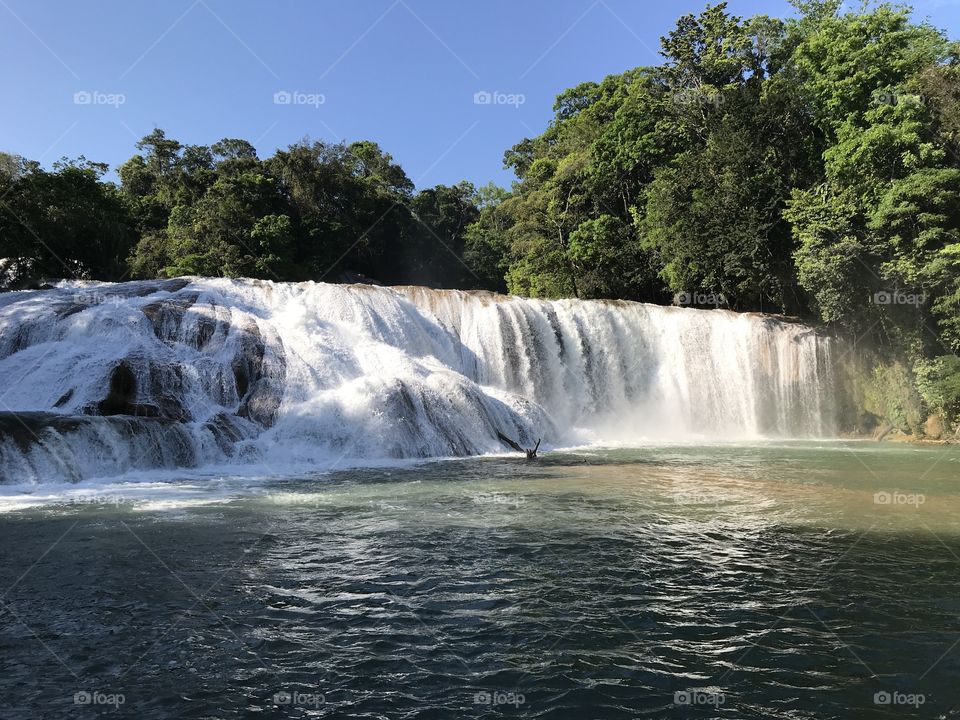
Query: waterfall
point(101, 379)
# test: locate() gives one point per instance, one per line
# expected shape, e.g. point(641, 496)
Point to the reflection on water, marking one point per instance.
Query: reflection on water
point(785, 580)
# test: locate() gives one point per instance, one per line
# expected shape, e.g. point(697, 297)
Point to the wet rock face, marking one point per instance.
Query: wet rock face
point(124, 397)
point(121, 397)
point(258, 376)
point(37, 445)
point(25, 428)
point(45, 320)
point(167, 390)
point(257, 368)
point(167, 375)
point(227, 431)
point(167, 316)
point(242, 370)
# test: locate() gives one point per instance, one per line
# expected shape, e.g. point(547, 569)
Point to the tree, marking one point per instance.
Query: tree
point(62, 223)
point(486, 247)
point(236, 229)
point(434, 255)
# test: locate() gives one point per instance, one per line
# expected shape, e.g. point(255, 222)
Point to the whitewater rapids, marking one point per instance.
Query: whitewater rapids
point(97, 380)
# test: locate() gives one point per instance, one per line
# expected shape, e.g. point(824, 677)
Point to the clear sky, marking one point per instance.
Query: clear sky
point(93, 77)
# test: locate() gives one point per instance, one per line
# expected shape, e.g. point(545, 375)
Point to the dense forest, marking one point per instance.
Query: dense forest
point(806, 166)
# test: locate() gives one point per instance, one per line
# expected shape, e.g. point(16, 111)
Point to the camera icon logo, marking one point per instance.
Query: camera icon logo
point(482, 97)
point(282, 97)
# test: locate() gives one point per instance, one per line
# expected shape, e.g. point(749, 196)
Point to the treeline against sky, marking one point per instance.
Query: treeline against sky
point(808, 165)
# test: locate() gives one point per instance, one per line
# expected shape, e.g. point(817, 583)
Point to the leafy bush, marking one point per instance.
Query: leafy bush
point(938, 382)
point(889, 394)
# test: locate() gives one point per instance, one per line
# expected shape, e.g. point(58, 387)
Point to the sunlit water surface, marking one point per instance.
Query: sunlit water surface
point(761, 581)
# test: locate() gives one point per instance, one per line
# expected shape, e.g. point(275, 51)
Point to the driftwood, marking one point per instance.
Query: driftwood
point(531, 454)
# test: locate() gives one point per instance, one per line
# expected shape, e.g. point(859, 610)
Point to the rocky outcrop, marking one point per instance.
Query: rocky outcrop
point(162, 399)
point(207, 378)
point(37, 445)
point(933, 428)
point(258, 375)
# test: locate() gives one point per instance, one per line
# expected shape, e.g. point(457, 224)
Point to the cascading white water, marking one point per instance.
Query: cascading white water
point(100, 379)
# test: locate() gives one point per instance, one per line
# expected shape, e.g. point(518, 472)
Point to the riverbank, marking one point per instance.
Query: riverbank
point(893, 435)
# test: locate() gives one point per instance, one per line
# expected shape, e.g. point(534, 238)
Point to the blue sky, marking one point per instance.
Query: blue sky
point(92, 77)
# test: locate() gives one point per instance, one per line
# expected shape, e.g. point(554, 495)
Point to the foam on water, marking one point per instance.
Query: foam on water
point(101, 380)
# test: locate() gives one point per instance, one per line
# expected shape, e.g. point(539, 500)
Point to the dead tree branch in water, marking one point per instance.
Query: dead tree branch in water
point(531, 454)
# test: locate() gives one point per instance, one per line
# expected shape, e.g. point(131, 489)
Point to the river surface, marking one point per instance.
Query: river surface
point(771, 580)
